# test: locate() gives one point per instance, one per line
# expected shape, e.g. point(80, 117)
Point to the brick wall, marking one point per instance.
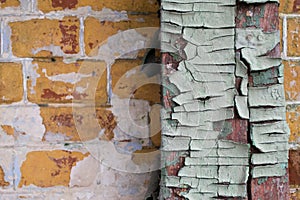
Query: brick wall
point(290, 26)
point(57, 89)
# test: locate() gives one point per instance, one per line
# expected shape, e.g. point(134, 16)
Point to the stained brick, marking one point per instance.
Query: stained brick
point(11, 89)
point(291, 81)
point(294, 167)
point(295, 194)
point(9, 3)
point(128, 5)
point(293, 36)
point(55, 81)
point(33, 38)
point(97, 32)
point(129, 81)
point(49, 168)
point(293, 119)
point(289, 6)
point(3, 182)
point(77, 124)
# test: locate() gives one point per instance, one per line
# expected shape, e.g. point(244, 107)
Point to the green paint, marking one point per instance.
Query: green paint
point(172, 181)
point(209, 172)
point(269, 158)
point(191, 182)
point(178, 7)
point(268, 171)
point(262, 180)
point(175, 144)
point(170, 28)
point(265, 77)
point(232, 190)
point(195, 133)
point(241, 103)
point(233, 174)
point(226, 130)
point(267, 114)
point(203, 144)
point(213, 38)
point(241, 69)
point(254, 44)
point(267, 96)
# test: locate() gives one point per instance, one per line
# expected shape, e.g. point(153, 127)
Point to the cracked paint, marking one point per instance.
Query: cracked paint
point(228, 86)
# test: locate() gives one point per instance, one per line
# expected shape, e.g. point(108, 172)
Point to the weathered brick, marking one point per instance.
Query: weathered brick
point(45, 37)
point(293, 119)
point(11, 89)
point(49, 168)
point(3, 182)
point(9, 3)
point(295, 194)
point(293, 36)
point(128, 81)
point(6, 168)
point(128, 5)
point(97, 32)
point(67, 124)
point(294, 167)
point(292, 80)
point(289, 6)
point(55, 81)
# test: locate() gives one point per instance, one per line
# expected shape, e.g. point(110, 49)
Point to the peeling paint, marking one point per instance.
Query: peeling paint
point(24, 119)
point(31, 71)
point(72, 78)
point(80, 177)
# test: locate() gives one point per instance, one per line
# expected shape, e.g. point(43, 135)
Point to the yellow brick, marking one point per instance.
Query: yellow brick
point(9, 130)
point(30, 37)
point(9, 3)
point(60, 82)
point(295, 194)
point(49, 168)
point(293, 36)
point(292, 80)
point(293, 119)
point(127, 5)
point(149, 92)
point(11, 89)
point(289, 6)
point(281, 33)
point(133, 86)
point(96, 32)
point(67, 121)
point(3, 183)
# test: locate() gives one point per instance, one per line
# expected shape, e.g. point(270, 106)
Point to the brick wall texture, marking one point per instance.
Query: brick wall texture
point(290, 27)
point(63, 63)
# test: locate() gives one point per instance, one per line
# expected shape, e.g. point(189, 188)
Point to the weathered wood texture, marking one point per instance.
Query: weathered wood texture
point(224, 118)
point(258, 24)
